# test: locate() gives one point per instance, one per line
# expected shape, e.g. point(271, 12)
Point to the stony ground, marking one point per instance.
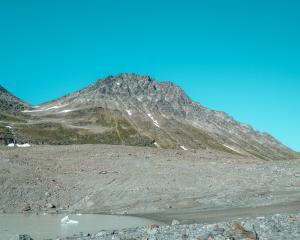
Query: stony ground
point(136, 180)
point(202, 186)
point(275, 227)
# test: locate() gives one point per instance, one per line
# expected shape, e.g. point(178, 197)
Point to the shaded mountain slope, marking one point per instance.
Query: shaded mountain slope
point(10, 105)
point(10, 111)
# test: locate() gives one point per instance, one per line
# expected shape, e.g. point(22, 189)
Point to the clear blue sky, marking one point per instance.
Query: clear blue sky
point(242, 57)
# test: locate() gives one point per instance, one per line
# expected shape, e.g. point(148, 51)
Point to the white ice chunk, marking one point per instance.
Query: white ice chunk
point(67, 220)
point(64, 219)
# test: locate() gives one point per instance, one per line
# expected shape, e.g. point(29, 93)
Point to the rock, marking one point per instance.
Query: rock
point(50, 205)
point(100, 234)
point(175, 222)
point(24, 237)
point(243, 232)
point(152, 226)
point(26, 208)
point(152, 229)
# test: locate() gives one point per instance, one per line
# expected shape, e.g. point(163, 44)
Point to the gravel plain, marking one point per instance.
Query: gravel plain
point(195, 186)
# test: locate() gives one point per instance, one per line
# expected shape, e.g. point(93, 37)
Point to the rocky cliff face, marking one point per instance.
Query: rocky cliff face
point(137, 110)
point(9, 103)
point(10, 111)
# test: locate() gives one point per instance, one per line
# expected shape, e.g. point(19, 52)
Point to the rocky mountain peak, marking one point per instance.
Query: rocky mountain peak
point(140, 88)
point(128, 81)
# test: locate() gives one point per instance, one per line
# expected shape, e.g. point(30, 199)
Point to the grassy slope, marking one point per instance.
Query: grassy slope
point(119, 130)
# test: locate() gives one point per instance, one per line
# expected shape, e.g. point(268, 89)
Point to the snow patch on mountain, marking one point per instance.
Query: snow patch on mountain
point(129, 112)
point(155, 122)
point(231, 148)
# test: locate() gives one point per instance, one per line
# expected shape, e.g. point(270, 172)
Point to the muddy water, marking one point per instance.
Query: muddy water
point(53, 226)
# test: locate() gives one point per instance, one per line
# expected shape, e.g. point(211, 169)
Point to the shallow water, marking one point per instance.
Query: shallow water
point(51, 226)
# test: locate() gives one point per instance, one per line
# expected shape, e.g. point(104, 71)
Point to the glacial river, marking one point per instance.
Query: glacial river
point(53, 226)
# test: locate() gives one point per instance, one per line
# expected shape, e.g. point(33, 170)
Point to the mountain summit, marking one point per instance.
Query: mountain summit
point(135, 109)
point(133, 91)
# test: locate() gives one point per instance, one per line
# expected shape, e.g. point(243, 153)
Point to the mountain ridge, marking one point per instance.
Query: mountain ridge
point(135, 109)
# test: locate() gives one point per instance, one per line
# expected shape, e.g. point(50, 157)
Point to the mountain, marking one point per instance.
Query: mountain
point(10, 111)
point(134, 109)
point(10, 104)
point(11, 107)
